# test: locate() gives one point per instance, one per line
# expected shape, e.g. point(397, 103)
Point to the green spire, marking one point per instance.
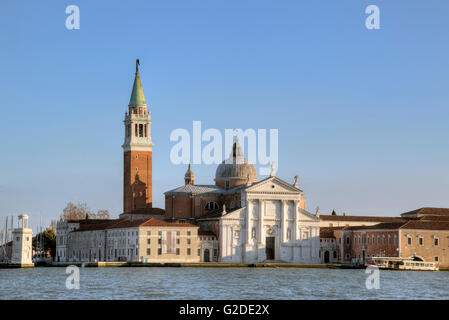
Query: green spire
point(137, 97)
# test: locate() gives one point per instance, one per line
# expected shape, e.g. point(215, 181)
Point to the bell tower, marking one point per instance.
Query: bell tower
point(137, 152)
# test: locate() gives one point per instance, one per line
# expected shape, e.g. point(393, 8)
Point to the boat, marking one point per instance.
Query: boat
point(395, 263)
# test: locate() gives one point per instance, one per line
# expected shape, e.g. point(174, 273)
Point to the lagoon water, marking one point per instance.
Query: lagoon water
point(220, 283)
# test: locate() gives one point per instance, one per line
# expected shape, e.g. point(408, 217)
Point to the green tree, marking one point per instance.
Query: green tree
point(48, 241)
point(334, 213)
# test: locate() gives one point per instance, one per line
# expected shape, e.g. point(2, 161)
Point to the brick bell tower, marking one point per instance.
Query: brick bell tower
point(137, 152)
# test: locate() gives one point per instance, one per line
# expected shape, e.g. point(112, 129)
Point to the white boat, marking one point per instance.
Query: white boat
point(395, 263)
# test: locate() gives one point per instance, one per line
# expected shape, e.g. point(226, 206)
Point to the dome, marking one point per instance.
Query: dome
point(236, 170)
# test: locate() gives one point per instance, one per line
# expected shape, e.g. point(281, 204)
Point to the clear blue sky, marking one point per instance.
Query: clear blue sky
point(362, 114)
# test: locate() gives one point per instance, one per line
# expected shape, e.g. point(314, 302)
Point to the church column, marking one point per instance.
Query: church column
point(261, 212)
point(295, 231)
point(284, 206)
point(249, 212)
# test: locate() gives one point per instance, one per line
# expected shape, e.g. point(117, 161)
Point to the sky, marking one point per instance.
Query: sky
point(362, 114)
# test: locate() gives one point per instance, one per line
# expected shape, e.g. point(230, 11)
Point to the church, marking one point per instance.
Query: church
point(250, 220)
point(238, 219)
point(254, 221)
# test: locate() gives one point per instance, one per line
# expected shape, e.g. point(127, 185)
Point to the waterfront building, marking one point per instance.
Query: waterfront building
point(141, 240)
point(327, 220)
point(209, 246)
point(421, 234)
point(328, 245)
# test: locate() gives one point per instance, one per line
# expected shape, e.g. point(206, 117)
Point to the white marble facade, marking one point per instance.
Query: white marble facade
point(270, 226)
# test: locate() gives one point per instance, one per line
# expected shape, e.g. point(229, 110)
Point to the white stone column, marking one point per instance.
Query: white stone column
point(284, 207)
point(261, 213)
point(249, 211)
point(222, 248)
point(295, 231)
point(295, 223)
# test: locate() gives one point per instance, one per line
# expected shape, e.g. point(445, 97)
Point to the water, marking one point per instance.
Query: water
point(220, 283)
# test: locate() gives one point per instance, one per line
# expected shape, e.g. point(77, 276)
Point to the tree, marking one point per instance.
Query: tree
point(103, 214)
point(334, 213)
point(80, 211)
point(48, 239)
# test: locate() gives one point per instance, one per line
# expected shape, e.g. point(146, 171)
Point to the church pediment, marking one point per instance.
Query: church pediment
point(273, 185)
point(304, 215)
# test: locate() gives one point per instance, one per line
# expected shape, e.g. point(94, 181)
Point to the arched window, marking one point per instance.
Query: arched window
point(212, 206)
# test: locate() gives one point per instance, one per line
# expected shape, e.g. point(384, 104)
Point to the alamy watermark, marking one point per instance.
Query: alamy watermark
point(373, 20)
point(373, 280)
point(261, 149)
point(73, 20)
point(72, 281)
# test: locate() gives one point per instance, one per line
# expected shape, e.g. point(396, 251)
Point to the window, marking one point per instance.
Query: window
point(199, 252)
point(188, 251)
point(436, 241)
point(178, 233)
point(140, 130)
point(389, 239)
point(436, 258)
point(148, 241)
point(383, 239)
point(159, 251)
point(347, 240)
point(212, 206)
point(159, 241)
point(148, 233)
point(409, 240)
point(177, 251)
point(378, 239)
point(188, 241)
point(335, 254)
point(420, 240)
point(215, 252)
point(177, 241)
point(395, 239)
point(188, 233)
point(227, 185)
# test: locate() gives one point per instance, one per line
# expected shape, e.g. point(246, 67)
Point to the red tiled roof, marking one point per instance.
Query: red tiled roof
point(426, 225)
point(428, 211)
point(434, 218)
point(153, 222)
point(329, 217)
point(380, 226)
point(128, 223)
point(328, 232)
point(98, 226)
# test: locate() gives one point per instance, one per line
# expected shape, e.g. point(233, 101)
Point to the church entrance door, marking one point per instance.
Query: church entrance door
point(269, 248)
point(326, 257)
point(206, 255)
